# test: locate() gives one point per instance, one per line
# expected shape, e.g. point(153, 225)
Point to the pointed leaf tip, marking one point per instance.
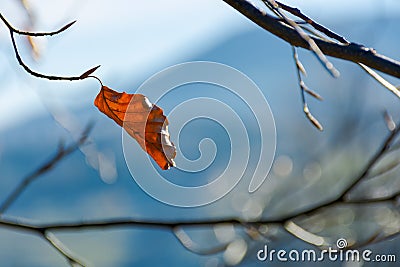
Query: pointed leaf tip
point(67, 26)
point(88, 72)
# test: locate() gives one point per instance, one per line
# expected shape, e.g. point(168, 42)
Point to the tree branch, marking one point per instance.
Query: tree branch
point(315, 25)
point(62, 249)
point(45, 167)
point(172, 226)
point(285, 29)
point(35, 34)
point(343, 196)
point(304, 89)
point(310, 41)
point(14, 31)
point(351, 52)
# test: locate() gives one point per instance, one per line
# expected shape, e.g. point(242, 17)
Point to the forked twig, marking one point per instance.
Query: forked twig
point(304, 89)
point(35, 34)
point(312, 45)
point(381, 80)
point(297, 12)
point(351, 52)
point(47, 166)
point(62, 249)
point(14, 31)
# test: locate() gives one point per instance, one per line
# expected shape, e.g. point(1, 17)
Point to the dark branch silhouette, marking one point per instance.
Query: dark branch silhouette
point(291, 32)
point(306, 38)
point(314, 24)
point(351, 52)
point(62, 152)
point(44, 229)
point(14, 31)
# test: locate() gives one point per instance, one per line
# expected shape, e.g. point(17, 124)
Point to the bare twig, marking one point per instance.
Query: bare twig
point(14, 31)
point(23, 225)
point(170, 225)
point(62, 249)
point(174, 226)
point(297, 12)
point(192, 246)
point(311, 43)
point(386, 169)
point(381, 80)
point(351, 52)
point(388, 198)
point(47, 166)
point(292, 32)
point(35, 34)
point(304, 89)
point(29, 226)
point(343, 196)
point(385, 147)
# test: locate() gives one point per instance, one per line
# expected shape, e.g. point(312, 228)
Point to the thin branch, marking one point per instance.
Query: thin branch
point(351, 52)
point(385, 147)
point(303, 234)
point(30, 226)
point(381, 80)
point(40, 75)
point(389, 198)
point(14, 31)
point(390, 167)
point(342, 197)
point(35, 34)
point(311, 43)
point(173, 226)
point(44, 233)
point(297, 12)
point(304, 89)
point(378, 238)
point(24, 225)
point(45, 167)
point(62, 249)
point(314, 33)
point(192, 246)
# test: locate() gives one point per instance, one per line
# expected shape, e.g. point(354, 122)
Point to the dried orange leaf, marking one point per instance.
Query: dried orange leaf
point(142, 120)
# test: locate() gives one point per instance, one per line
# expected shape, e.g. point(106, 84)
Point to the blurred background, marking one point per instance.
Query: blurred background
point(133, 41)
